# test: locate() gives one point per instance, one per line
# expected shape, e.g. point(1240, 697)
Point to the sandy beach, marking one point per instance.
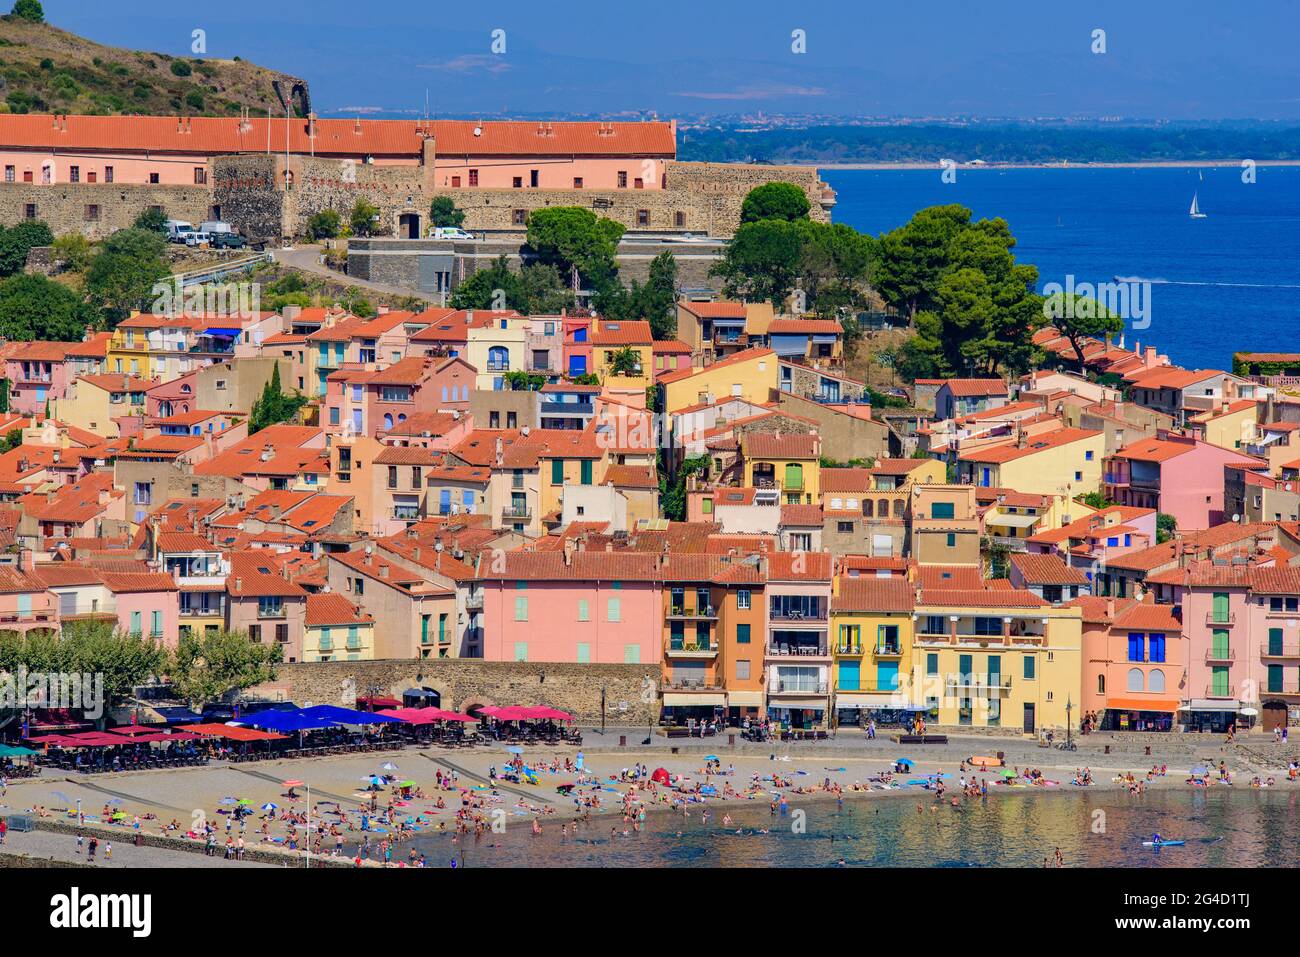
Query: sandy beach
point(175, 802)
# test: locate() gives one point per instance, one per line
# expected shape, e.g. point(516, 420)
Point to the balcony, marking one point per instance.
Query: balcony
point(796, 617)
point(994, 683)
point(1220, 654)
point(203, 612)
point(1284, 689)
point(692, 684)
point(932, 638)
point(888, 651)
point(1281, 651)
point(800, 687)
point(679, 611)
point(687, 648)
point(1224, 691)
point(498, 367)
point(523, 512)
point(788, 650)
point(1220, 619)
point(850, 649)
point(271, 612)
point(474, 600)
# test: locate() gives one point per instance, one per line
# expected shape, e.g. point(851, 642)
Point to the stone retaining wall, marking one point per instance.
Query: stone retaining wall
point(631, 691)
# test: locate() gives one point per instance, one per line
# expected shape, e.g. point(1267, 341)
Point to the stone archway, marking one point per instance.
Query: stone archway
point(473, 702)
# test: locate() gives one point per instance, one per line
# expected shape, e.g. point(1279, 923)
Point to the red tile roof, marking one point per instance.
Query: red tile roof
point(1037, 569)
point(976, 387)
point(874, 594)
point(715, 310)
point(771, 445)
point(628, 332)
point(335, 137)
point(743, 355)
point(333, 609)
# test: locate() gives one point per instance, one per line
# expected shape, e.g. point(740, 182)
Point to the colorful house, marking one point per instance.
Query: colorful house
point(750, 374)
point(871, 629)
point(1063, 462)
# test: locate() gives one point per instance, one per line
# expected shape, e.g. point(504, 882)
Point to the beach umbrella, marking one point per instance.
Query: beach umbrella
point(228, 800)
point(1200, 771)
point(388, 766)
point(710, 757)
point(1008, 774)
point(660, 776)
point(268, 806)
point(292, 784)
point(245, 801)
point(407, 784)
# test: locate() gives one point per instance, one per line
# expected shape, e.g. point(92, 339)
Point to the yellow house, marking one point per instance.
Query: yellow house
point(610, 339)
point(96, 402)
point(496, 347)
point(871, 639)
point(750, 374)
point(1065, 462)
point(945, 525)
point(565, 457)
point(790, 463)
point(1011, 517)
point(996, 658)
point(336, 631)
point(1229, 425)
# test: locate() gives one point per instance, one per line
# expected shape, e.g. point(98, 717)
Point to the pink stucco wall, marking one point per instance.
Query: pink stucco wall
point(553, 631)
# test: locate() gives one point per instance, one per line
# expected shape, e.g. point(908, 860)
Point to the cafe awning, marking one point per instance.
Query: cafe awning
point(868, 699)
point(690, 699)
point(745, 699)
point(337, 715)
point(1166, 705)
point(233, 732)
point(1211, 704)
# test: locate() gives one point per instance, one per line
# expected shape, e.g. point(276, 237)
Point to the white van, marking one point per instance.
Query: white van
point(215, 226)
point(178, 230)
point(449, 232)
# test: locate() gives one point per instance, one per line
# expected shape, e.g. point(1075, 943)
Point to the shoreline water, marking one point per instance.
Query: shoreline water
point(966, 166)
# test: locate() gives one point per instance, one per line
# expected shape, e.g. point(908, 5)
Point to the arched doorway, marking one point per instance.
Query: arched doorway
point(408, 225)
point(1273, 715)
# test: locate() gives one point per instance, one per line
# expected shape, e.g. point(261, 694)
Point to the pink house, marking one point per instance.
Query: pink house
point(1243, 642)
point(1175, 474)
point(173, 397)
point(37, 372)
point(396, 393)
point(147, 603)
point(1135, 663)
point(573, 606)
point(24, 603)
point(670, 355)
point(577, 345)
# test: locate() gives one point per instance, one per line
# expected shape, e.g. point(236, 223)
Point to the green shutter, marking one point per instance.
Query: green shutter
point(557, 471)
point(584, 653)
point(584, 612)
point(521, 609)
point(586, 471)
point(615, 610)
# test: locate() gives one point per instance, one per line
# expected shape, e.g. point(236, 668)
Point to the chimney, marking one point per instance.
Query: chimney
point(415, 553)
point(1149, 357)
point(500, 450)
point(1110, 608)
point(383, 571)
point(239, 584)
point(311, 124)
point(569, 547)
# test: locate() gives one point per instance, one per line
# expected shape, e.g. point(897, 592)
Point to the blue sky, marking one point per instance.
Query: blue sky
point(1023, 58)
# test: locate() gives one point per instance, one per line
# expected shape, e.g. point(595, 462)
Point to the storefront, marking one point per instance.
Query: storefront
point(1139, 714)
point(857, 708)
point(798, 711)
point(742, 705)
point(682, 707)
point(1216, 715)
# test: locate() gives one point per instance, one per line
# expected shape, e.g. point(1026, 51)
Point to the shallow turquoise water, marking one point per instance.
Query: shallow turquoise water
point(1222, 827)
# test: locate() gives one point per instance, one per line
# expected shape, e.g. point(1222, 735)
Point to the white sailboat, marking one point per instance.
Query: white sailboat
point(1195, 211)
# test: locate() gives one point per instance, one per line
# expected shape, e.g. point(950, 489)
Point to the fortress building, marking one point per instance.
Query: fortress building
point(268, 177)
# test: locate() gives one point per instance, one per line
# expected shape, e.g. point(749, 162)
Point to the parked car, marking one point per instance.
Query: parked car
point(228, 241)
point(196, 238)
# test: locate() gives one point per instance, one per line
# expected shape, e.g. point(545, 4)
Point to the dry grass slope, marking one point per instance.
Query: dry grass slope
point(47, 70)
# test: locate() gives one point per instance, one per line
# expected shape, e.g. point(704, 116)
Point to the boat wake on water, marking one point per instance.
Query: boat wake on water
point(1231, 285)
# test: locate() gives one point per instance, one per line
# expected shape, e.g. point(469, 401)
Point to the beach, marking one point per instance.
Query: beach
point(171, 804)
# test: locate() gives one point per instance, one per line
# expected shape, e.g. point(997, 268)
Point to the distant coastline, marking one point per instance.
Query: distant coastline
point(1137, 164)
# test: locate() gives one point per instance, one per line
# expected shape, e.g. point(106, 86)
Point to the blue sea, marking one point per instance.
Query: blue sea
point(1226, 827)
point(1221, 284)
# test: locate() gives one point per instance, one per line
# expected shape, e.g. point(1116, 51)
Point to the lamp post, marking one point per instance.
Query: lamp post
point(1068, 727)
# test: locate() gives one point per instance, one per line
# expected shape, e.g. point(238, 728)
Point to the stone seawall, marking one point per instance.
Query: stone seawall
point(631, 691)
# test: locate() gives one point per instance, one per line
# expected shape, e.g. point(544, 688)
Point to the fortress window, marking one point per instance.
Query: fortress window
point(473, 177)
point(534, 178)
point(92, 213)
point(153, 178)
point(519, 217)
point(108, 174)
point(27, 176)
point(638, 183)
point(643, 217)
point(577, 182)
point(10, 174)
point(91, 176)
point(455, 182)
point(679, 218)
point(622, 179)
point(74, 174)
point(518, 182)
point(200, 176)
